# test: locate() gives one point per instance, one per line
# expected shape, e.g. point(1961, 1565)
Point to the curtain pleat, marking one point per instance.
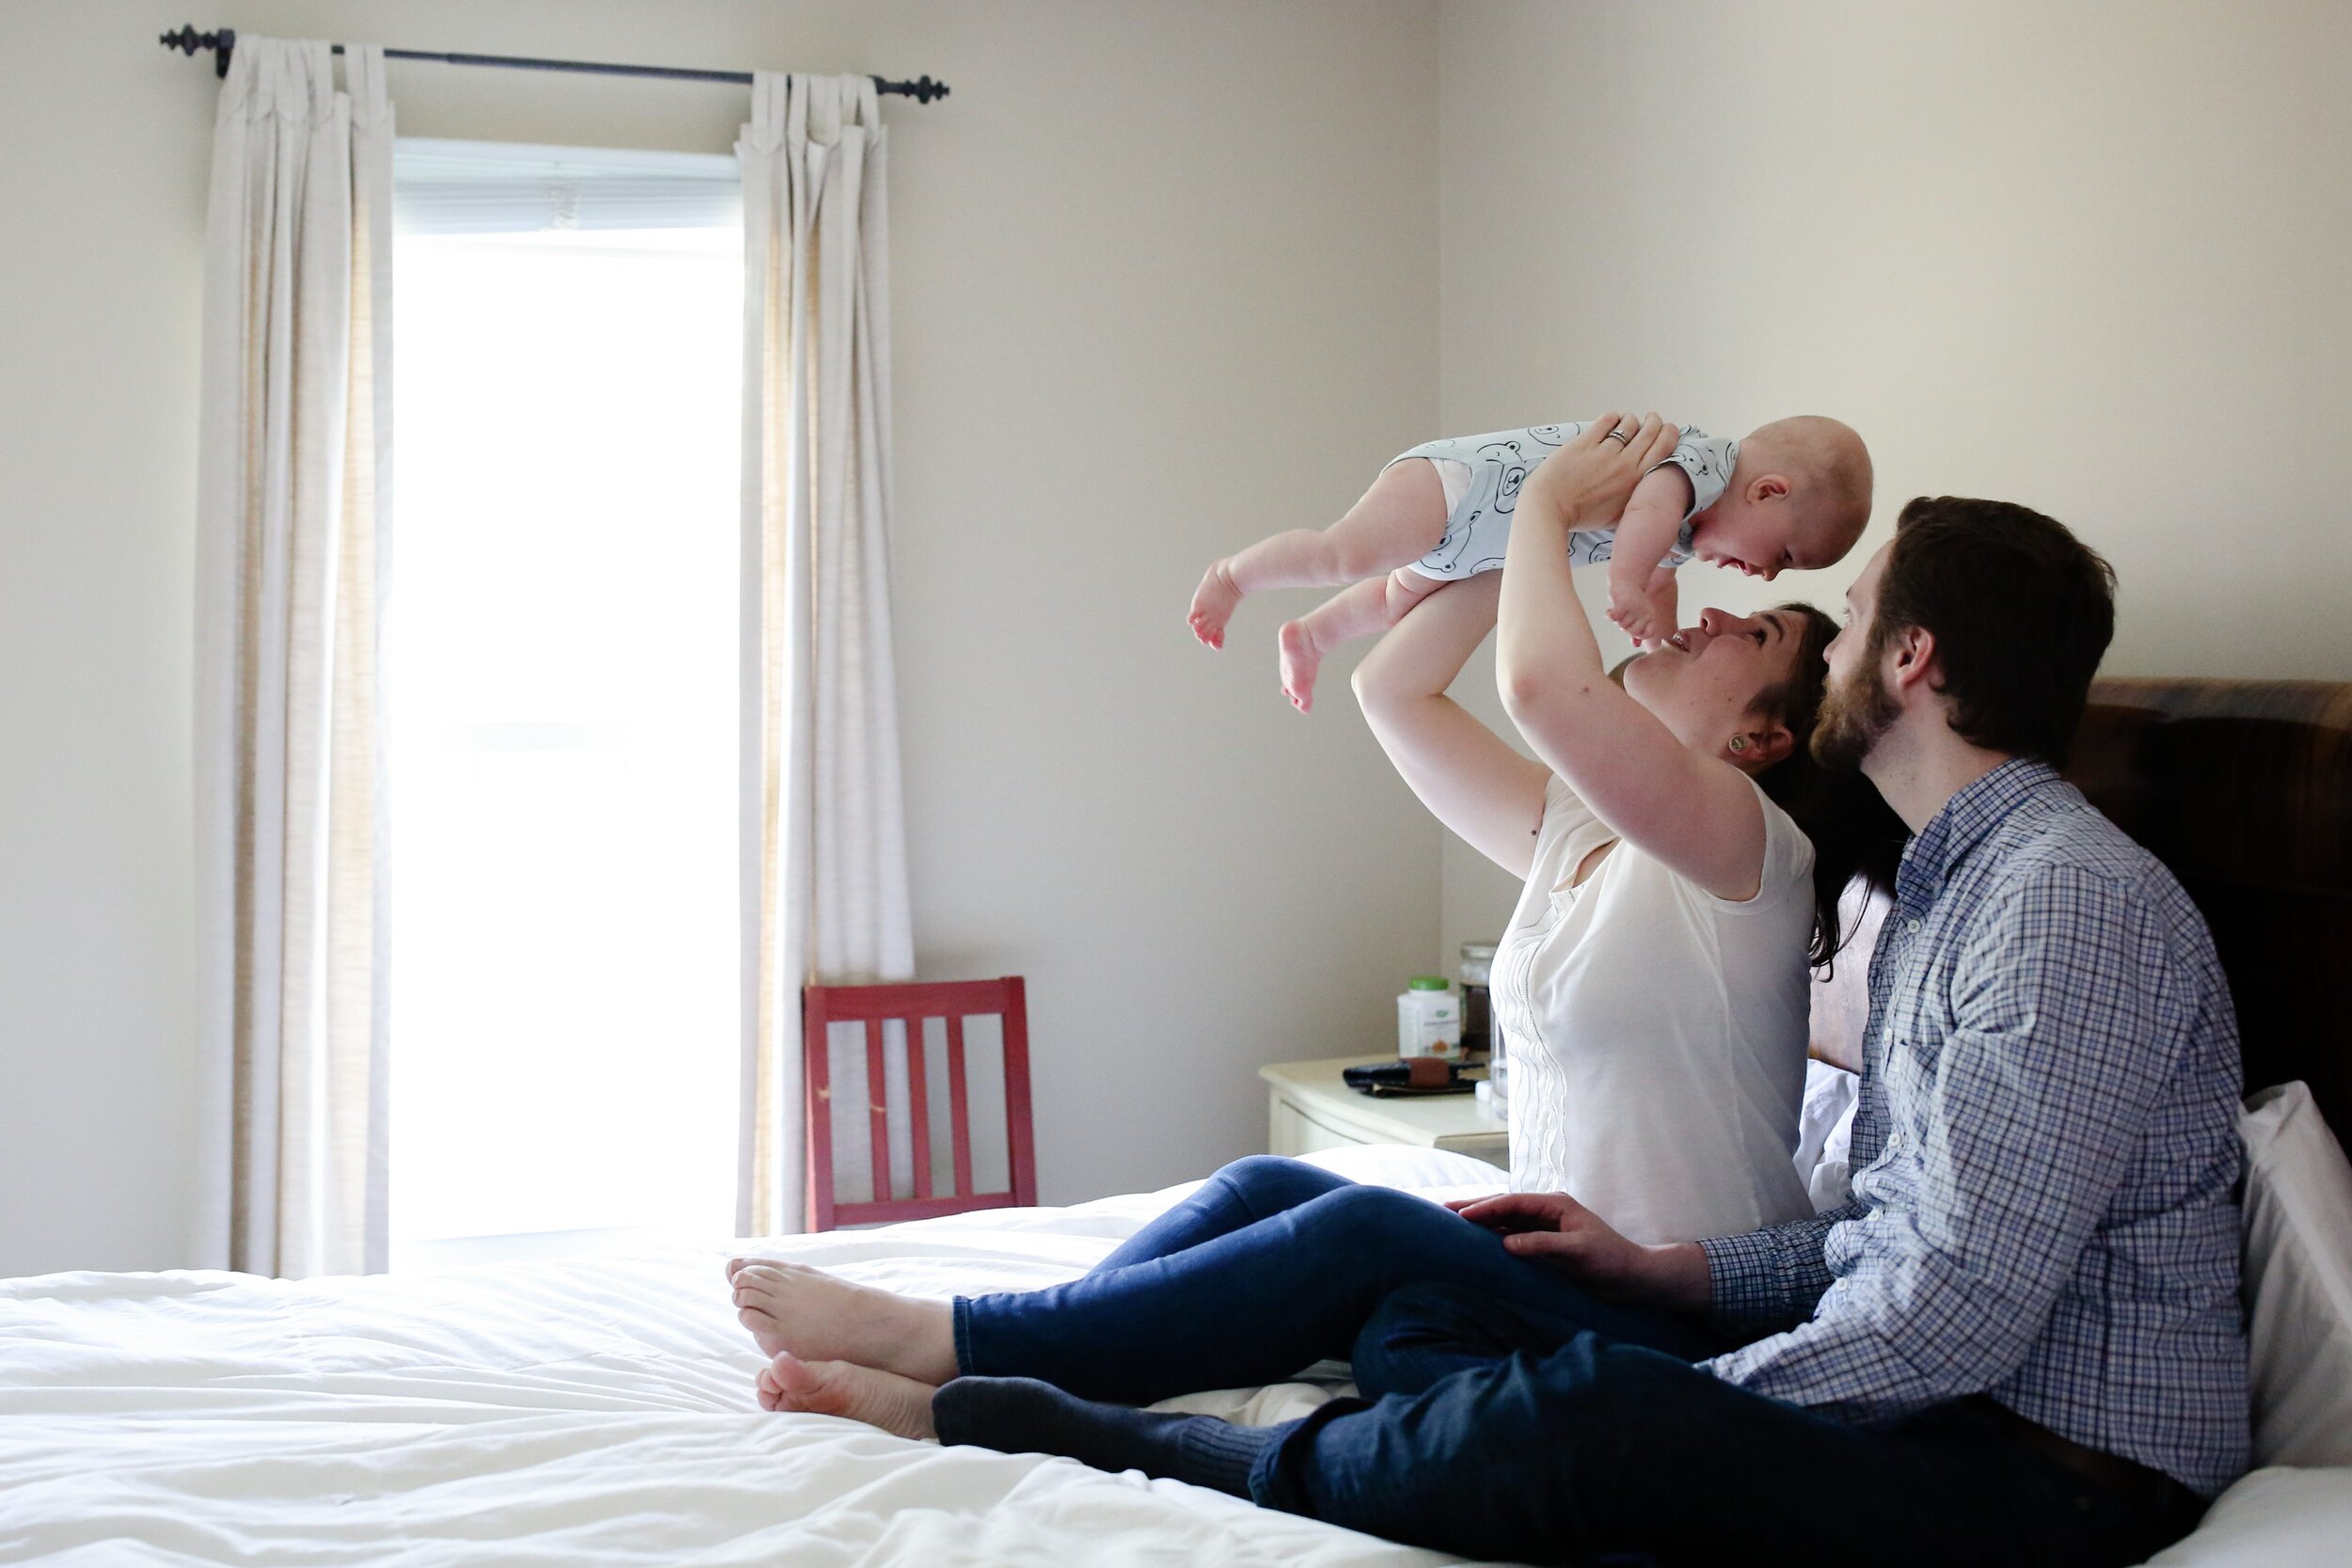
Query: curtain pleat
point(825, 880)
point(293, 499)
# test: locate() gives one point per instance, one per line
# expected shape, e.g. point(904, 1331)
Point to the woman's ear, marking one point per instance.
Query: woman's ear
point(1753, 751)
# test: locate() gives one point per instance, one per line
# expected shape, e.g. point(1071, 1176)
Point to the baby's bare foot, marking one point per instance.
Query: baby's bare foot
point(899, 1405)
point(1301, 658)
point(790, 1307)
point(1212, 604)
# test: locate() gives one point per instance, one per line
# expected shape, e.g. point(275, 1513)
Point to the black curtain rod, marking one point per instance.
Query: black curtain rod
point(188, 40)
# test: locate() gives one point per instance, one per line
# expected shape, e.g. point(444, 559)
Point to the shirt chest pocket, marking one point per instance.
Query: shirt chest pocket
point(1910, 1076)
point(1918, 1025)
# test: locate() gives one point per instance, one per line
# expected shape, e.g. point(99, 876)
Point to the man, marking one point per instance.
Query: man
point(2019, 1342)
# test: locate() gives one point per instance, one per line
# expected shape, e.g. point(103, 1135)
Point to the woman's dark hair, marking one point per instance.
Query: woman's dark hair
point(2021, 609)
point(1855, 832)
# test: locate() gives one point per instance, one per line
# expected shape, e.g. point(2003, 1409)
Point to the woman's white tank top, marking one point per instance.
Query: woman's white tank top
point(1657, 1033)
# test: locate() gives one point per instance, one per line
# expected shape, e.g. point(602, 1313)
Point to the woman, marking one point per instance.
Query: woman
point(1652, 985)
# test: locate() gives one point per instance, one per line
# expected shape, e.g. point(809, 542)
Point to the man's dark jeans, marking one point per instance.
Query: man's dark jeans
point(1506, 1413)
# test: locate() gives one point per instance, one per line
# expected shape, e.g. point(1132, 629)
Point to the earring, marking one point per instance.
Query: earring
point(1738, 742)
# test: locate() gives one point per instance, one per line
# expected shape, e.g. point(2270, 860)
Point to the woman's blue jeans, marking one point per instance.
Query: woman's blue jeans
point(1271, 1266)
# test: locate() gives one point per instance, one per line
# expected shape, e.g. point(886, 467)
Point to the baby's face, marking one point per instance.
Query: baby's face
point(1765, 536)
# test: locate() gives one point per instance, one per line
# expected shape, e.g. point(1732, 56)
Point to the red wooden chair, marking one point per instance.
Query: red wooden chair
point(955, 1001)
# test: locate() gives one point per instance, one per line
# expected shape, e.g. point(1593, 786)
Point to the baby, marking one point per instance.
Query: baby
point(1793, 494)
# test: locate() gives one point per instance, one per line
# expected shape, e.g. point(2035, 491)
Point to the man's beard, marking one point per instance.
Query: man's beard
point(1853, 715)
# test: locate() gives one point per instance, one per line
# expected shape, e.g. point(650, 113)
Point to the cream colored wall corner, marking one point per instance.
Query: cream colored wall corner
point(2087, 257)
point(1165, 278)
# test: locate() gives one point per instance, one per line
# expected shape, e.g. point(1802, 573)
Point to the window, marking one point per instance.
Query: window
point(560, 660)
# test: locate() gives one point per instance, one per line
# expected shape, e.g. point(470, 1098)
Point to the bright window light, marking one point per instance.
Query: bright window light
point(560, 671)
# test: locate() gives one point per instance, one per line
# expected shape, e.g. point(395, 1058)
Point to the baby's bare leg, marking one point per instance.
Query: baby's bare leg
point(1400, 518)
point(1371, 605)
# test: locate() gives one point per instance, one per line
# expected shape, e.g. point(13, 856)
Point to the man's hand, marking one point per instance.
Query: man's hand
point(1553, 1227)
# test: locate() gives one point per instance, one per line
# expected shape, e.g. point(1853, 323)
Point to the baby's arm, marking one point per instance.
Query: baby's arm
point(1651, 524)
point(1662, 598)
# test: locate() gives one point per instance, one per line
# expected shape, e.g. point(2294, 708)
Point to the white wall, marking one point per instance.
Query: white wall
point(1165, 279)
point(2088, 256)
point(1168, 275)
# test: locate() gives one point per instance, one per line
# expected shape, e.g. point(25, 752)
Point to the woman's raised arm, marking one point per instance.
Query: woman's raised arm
point(1467, 775)
point(1696, 814)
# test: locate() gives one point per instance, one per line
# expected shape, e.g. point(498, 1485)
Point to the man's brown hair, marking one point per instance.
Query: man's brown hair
point(2020, 611)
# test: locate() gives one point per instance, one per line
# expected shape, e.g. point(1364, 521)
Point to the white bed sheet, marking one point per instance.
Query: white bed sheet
point(598, 1414)
point(593, 1413)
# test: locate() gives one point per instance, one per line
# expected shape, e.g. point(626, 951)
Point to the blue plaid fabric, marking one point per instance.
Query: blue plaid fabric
point(2045, 1153)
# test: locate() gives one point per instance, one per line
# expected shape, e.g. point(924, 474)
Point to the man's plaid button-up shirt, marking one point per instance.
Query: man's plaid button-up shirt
point(2045, 1155)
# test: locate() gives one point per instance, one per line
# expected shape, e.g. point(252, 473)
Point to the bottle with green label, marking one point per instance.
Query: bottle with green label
point(1429, 1019)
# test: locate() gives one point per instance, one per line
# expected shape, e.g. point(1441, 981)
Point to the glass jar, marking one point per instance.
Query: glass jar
point(1477, 963)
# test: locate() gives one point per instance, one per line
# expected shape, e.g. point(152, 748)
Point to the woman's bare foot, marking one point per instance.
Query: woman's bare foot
point(790, 1307)
point(899, 1405)
point(1212, 604)
point(1300, 659)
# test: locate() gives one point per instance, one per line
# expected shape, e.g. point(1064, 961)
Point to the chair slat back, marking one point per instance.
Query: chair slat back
point(909, 1004)
point(958, 1105)
point(878, 1143)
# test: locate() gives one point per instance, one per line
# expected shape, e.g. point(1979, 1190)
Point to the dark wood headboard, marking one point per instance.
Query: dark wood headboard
point(2245, 789)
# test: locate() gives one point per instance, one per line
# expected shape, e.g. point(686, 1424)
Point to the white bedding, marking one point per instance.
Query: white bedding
point(598, 1414)
point(594, 1413)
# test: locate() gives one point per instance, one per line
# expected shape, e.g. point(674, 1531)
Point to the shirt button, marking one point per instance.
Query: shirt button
point(1911, 926)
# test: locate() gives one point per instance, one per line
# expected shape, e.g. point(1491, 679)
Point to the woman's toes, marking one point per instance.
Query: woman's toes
point(758, 1285)
point(821, 1318)
point(765, 1331)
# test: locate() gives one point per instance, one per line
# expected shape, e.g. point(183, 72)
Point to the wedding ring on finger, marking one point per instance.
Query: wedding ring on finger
point(1619, 435)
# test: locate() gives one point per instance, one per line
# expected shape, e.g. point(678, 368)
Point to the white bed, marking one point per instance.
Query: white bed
point(601, 1414)
point(593, 1413)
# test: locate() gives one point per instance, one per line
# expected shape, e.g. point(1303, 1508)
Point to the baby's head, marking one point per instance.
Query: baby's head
point(1799, 498)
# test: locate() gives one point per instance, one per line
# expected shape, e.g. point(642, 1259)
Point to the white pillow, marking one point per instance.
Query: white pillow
point(1824, 1130)
point(2299, 1280)
point(2271, 1519)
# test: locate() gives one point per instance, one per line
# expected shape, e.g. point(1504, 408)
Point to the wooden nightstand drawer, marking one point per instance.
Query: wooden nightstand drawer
point(1290, 1129)
point(1310, 1109)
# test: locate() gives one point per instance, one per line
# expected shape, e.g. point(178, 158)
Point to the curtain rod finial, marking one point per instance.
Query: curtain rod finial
point(188, 40)
point(923, 89)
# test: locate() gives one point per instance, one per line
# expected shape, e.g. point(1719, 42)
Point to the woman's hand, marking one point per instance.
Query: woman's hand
point(1688, 808)
point(1587, 482)
point(1546, 643)
point(1553, 1227)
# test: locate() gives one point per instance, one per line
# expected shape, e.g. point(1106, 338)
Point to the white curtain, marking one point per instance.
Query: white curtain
point(825, 884)
point(292, 508)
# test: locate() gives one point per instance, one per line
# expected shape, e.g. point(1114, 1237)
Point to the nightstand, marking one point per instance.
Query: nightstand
point(1309, 1108)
